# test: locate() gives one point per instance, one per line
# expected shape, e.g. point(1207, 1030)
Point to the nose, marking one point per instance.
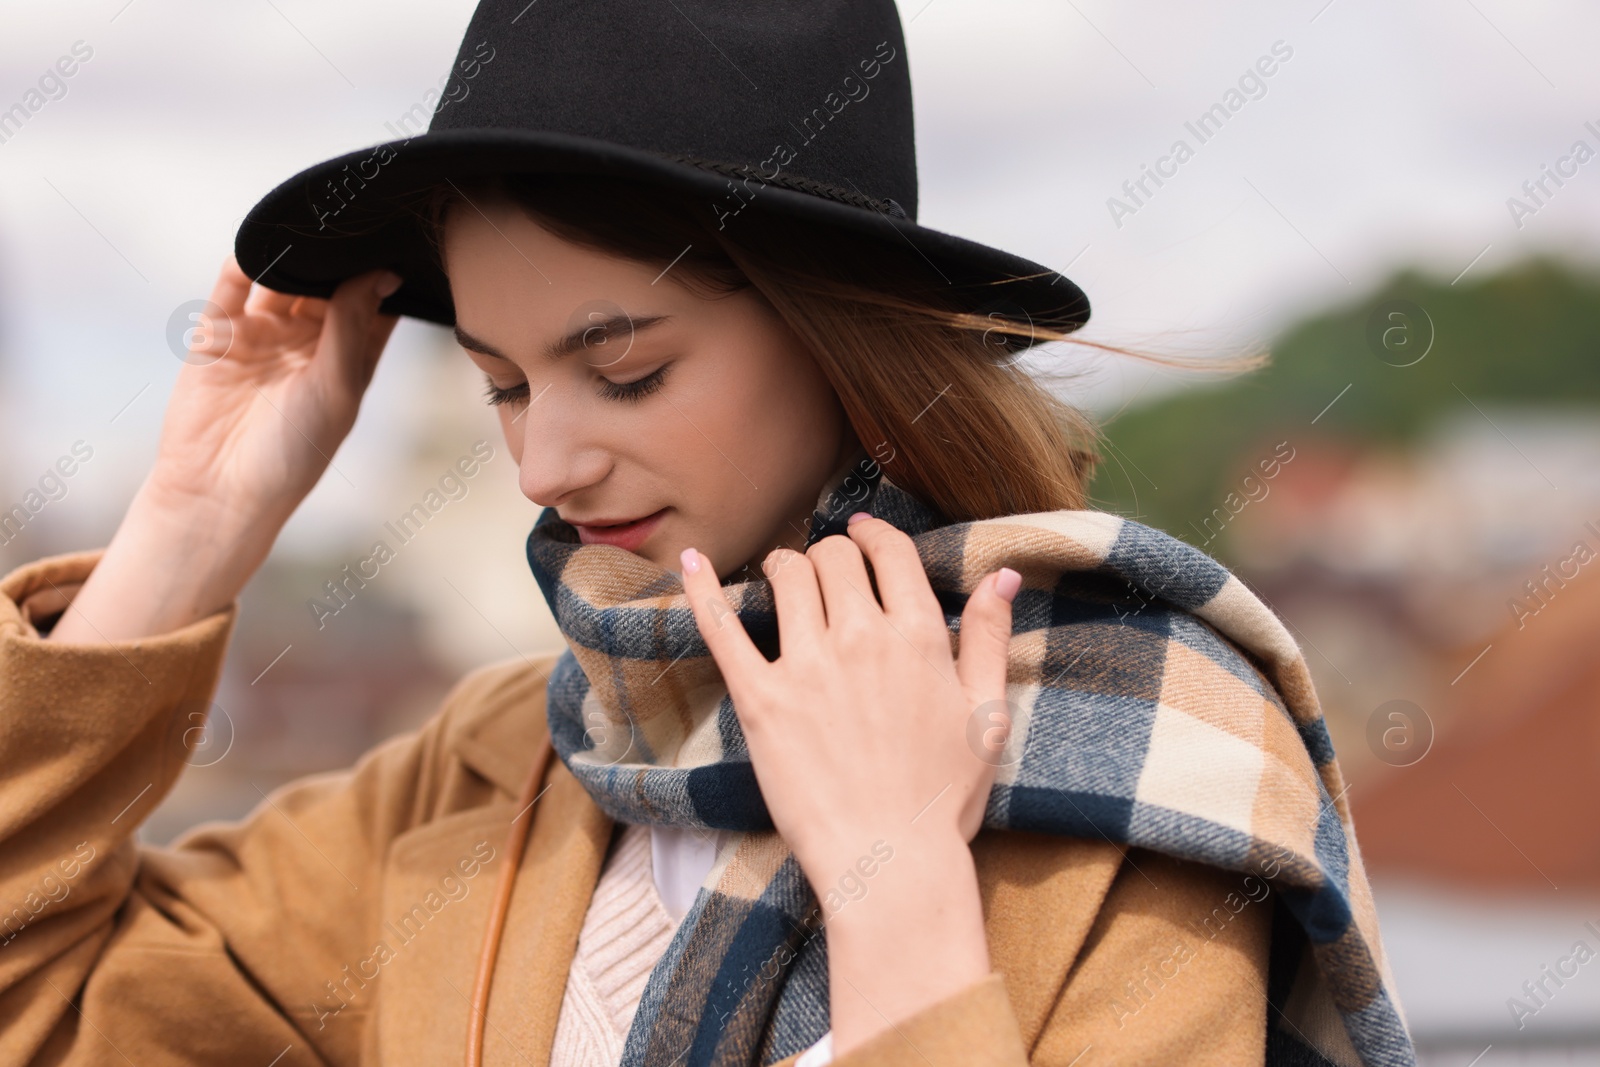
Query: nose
point(559, 460)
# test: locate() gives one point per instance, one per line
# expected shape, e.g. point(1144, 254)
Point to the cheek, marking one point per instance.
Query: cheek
point(512, 431)
point(777, 430)
point(762, 419)
point(800, 422)
point(700, 445)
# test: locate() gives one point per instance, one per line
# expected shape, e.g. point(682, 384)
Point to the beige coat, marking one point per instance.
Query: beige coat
point(340, 922)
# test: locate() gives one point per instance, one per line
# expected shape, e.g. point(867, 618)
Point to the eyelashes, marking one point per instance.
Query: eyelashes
point(634, 391)
point(496, 395)
point(626, 392)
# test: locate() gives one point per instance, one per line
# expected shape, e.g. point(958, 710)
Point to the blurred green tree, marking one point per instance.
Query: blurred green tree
point(1412, 350)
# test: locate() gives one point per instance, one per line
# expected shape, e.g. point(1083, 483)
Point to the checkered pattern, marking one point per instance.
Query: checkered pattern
point(1157, 702)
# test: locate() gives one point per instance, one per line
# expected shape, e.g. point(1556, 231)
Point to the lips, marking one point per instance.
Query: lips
point(628, 535)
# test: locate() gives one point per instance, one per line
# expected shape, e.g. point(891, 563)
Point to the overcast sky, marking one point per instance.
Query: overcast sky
point(1391, 134)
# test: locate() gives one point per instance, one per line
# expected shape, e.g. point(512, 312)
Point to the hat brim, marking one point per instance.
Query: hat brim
point(338, 219)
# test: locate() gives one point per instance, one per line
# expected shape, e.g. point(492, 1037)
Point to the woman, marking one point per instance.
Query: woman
point(794, 817)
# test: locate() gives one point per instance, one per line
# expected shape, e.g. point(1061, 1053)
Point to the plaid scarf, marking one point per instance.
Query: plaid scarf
point(1156, 703)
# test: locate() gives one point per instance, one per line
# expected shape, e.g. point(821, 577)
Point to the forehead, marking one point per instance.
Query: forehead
point(484, 240)
point(519, 287)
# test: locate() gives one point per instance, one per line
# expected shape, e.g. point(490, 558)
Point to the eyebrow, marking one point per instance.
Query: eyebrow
point(576, 341)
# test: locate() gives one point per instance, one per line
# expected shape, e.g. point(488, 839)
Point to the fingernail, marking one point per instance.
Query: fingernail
point(1006, 583)
point(857, 517)
point(388, 282)
point(691, 561)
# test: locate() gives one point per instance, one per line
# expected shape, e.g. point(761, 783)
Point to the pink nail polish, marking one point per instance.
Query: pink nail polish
point(691, 561)
point(1006, 583)
point(857, 517)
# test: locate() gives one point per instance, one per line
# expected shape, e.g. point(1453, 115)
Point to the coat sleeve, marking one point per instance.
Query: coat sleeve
point(111, 952)
point(1173, 970)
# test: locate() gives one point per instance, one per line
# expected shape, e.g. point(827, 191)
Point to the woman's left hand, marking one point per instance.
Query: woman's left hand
point(865, 727)
point(871, 743)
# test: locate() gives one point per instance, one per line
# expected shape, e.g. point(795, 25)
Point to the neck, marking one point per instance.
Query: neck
point(792, 534)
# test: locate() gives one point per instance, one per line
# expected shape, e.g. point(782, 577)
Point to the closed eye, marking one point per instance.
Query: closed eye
point(628, 392)
point(514, 395)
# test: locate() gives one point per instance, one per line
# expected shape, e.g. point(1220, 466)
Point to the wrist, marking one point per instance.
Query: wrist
point(182, 504)
point(898, 883)
point(913, 937)
point(195, 542)
point(173, 561)
point(857, 850)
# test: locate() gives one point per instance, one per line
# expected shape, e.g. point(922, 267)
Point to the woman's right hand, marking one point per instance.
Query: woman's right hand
point(269, 392)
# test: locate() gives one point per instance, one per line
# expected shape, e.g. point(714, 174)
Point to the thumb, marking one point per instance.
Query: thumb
point(353, 332)
point(986, 636)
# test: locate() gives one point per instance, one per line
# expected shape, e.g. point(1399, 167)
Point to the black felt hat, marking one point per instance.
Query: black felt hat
point(795, 107)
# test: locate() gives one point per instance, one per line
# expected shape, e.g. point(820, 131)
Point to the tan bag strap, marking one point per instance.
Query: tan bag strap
point(516, 844)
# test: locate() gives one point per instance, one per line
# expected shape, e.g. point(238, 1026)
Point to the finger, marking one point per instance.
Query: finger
point(842, 574)
point(377, 339)
point(305, 318)
point(737, 656)
point(796, 594)
point(296, 326)
point(903, 584)
point(264, 301)
point(986, 636)
point(231, 289)
point(309, 307)
point(343, 350)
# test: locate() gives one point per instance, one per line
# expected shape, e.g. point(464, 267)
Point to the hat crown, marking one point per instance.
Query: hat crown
point(815, 94)
point(790, 109)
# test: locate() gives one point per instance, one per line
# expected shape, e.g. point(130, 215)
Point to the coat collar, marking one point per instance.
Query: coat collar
point(500, 720)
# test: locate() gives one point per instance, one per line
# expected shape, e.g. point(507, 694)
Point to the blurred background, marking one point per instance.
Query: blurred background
point(1404, 211)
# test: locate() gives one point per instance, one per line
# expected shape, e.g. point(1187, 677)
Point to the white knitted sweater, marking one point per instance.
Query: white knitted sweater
point(624, 933)
point(646, 887)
